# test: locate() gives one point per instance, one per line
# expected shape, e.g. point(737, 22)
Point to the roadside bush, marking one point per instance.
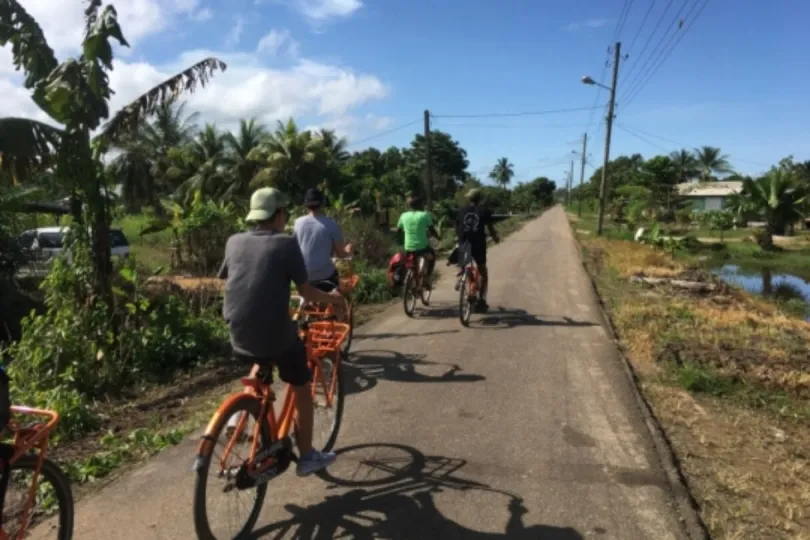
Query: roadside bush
point(373, 287)
point(73, 354)
point(371, 245)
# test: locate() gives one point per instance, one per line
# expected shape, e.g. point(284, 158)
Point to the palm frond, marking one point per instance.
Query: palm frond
point(29, 49)
point(26, 145)
point(128, 118)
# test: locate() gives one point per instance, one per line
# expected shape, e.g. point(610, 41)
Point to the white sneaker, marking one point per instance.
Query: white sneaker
point(314, 461)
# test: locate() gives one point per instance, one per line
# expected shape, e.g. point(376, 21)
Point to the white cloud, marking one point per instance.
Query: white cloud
point(320, 10)
point(307, 90)
point(273, 42)
point(588, 23)
point(235, 34)
point(202, 15)
point(354, 128)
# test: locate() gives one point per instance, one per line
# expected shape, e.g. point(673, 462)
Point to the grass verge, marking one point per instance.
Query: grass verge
point(727, 376)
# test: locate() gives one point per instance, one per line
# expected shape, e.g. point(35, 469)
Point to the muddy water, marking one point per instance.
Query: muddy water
point(768, 283)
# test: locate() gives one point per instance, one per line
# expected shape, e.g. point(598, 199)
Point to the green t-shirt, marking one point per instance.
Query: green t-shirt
point(415, 223)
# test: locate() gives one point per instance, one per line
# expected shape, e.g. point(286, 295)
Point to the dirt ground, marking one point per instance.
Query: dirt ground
point(728, 377)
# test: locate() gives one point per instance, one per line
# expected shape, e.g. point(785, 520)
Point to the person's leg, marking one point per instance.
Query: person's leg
point(293, 369)
point(479, 254)
point(430, 263)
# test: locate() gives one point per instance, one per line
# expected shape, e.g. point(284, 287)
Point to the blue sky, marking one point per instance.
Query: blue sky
point(737, 78)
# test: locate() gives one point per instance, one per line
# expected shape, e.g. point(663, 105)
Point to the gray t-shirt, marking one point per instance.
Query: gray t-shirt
point(259, 266)
point(317, 236)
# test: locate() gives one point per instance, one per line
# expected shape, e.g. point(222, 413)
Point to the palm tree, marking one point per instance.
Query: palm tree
point(336, 155)
point(238, 147)
point(779, 198)
point(685, 164)
point(710, 161)
point(291, 160)
point(142, 167)
point(503, 172)
point(202, 167)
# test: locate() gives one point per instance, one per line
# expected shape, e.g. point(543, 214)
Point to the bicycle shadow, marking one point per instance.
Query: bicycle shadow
point(362, 370)
point(391, 335)
point(498, 318)
point(401, 505)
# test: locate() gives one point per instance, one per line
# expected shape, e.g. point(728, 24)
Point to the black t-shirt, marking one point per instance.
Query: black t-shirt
point(471, 225)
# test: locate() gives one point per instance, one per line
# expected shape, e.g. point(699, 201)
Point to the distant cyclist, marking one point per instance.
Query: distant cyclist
point(417, 227)
point(471, 223)
point(320, 239)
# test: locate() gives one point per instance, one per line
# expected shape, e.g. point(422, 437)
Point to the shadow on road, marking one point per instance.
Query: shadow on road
point(390, 335)
point(500, 317)
point(392, 496)
point(363, 369)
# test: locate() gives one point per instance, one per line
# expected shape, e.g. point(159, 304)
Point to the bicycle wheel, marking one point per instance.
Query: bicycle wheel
point(327, 419)
point(221, 437)
point(347, 344)
point(408, 293)
point(465, 301)
point(53, 489)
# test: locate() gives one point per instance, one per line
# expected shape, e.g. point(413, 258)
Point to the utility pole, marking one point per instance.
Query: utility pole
point(602, 186)
point(570, 182)
point(428, 162)
point(582, 172)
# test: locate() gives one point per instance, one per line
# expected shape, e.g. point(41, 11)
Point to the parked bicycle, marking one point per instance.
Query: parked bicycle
point(268, 435)
point(33, 487)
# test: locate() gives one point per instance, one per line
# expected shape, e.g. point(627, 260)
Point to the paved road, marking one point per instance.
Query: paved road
point(522, 426)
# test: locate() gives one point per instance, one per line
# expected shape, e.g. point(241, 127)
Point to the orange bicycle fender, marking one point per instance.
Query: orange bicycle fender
point(207, 441)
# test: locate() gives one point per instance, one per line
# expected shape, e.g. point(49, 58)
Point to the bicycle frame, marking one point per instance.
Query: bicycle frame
point(280, 425)
point(25, 440)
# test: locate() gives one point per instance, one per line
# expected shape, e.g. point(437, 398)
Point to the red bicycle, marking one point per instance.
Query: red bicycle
point(414, 283)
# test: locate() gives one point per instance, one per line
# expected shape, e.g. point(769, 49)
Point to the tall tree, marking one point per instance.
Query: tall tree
point(75, 94)
point(685, 164)
point(779, 198)
point(710, 162)
point(239, 146)
point(503, 172)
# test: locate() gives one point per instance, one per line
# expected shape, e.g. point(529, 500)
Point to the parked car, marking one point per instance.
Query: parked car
point(46, 242)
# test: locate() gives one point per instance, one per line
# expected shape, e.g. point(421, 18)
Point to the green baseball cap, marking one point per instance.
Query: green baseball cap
point(264, 203)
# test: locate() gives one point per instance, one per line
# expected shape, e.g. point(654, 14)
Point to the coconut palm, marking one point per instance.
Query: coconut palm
point(685, 164)
point(290, 160)
point(779, 198)
point(503, 172)
point(202, 166)
point(710, 162)
point(238, 147)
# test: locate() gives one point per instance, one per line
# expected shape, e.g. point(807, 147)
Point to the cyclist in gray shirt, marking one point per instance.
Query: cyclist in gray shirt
point(259, 266)
point(320, 239)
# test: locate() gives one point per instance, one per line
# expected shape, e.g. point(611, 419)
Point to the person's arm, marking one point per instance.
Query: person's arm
point(400, 231)
point(491, 228)
point(430, 228)
point(340, 247)
point(297, 272)
point(459, 228)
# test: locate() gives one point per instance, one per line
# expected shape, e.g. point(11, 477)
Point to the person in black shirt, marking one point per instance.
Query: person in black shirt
point(471, 223)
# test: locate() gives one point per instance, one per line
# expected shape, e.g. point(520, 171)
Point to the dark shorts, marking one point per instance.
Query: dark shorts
point(479, 254)
point(292, 364)
point(329, 284)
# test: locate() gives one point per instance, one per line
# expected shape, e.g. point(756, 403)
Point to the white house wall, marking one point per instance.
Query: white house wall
point(714, 203)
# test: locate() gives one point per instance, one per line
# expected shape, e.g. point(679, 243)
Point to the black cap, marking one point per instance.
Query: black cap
point(314, 197)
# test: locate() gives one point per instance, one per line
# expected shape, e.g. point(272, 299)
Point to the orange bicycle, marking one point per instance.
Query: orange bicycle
point(269, 442)
point(468, 285)
point(41, 483)
point(414, 283)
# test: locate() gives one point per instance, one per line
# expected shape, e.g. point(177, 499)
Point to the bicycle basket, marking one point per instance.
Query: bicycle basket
point(327, 336)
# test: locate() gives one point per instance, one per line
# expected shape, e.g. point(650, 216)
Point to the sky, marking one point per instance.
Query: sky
point(723, 73)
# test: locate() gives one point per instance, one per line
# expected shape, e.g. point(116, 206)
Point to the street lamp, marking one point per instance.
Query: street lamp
point(588, 80)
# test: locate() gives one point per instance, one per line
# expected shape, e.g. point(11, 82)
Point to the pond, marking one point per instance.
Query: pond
point(770, 283)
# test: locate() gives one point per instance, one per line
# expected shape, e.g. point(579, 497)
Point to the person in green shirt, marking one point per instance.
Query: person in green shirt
point(417, 227)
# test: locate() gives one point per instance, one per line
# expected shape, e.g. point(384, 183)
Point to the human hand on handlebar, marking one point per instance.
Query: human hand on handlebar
point(339, 302)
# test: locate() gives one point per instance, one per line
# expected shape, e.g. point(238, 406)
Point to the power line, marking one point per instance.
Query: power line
point(641, 27)
point(639, 137)
point(649, 39)
point(382, 134)
point(623, 14)
point(675, 25)
point(639, 87)
point(503, 115)
point(497, 126)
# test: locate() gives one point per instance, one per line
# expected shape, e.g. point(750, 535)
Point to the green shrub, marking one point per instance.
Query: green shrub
point(77, 352)
point(371, 245)
point(373, 286)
